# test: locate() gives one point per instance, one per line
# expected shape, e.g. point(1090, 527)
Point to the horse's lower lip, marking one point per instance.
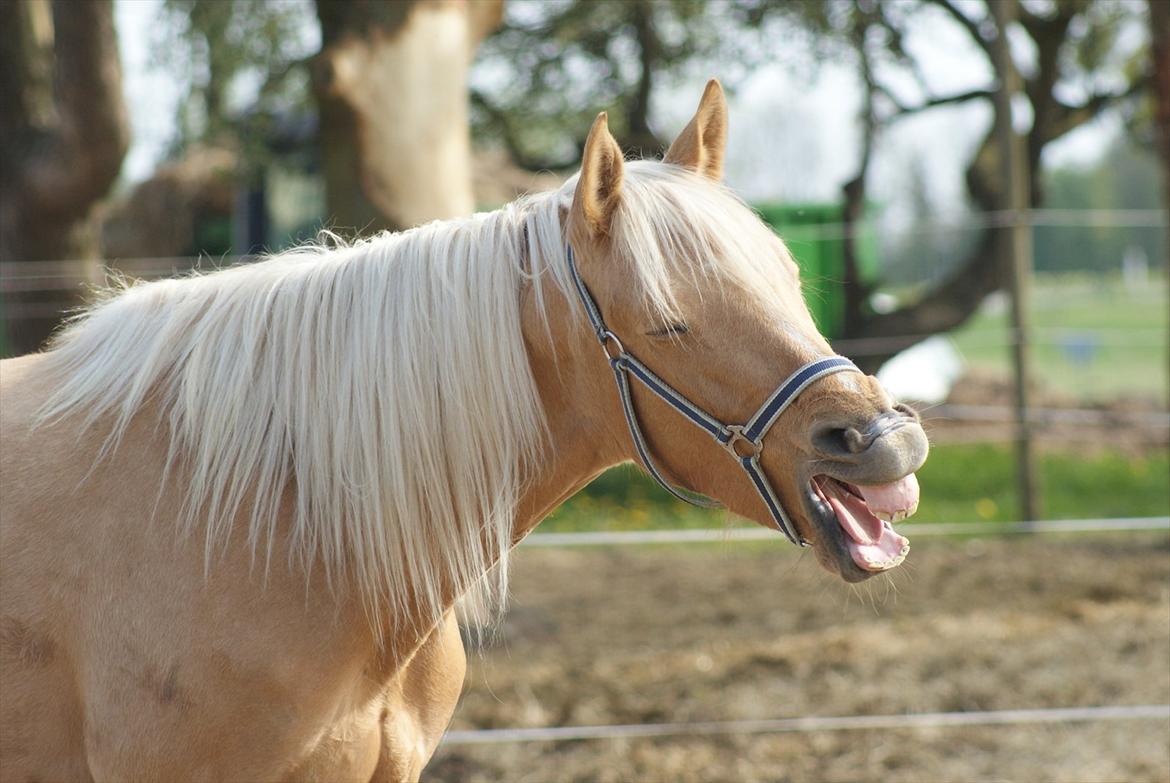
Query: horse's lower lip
point(828, 540)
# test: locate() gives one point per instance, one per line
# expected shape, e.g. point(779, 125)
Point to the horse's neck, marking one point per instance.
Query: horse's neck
point(586, 431)
point(585, 425)
point(575, 456)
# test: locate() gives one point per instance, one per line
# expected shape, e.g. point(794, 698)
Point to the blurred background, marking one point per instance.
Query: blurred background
point(981, 218)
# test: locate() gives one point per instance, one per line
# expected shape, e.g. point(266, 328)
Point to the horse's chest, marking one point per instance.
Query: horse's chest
point(404, 723)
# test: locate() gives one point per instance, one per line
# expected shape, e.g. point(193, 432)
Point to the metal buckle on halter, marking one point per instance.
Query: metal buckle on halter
point(607, 337)
point(738, 437)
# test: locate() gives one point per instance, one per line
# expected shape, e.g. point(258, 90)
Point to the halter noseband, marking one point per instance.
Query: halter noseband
point(744, 442)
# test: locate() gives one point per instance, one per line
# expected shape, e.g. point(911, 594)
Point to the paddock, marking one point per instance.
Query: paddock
point(1017, 657)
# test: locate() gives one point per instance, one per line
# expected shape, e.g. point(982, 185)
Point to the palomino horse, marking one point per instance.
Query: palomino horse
point(239, 507)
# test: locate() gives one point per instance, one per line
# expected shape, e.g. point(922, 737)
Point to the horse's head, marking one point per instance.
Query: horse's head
point(699, 289)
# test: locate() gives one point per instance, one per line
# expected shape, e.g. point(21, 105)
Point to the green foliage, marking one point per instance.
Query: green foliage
point(241, 62)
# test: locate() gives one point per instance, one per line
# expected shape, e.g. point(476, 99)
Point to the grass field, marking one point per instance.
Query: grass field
point(1094, 338)
point(960, 483)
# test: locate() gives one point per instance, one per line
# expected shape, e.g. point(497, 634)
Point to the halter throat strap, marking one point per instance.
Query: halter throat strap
point(744, 442)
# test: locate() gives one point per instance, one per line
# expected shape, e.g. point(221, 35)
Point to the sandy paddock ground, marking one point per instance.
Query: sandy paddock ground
point(689, 633)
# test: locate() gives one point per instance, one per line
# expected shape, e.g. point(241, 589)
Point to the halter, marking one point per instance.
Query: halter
point(744, 442)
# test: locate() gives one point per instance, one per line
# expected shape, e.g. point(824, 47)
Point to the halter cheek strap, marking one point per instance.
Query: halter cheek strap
point(744, 442)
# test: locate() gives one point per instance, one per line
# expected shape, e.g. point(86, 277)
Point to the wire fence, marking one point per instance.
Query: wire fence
point(806, 725)
point(746, 534)
point(16, 274)
point(994, 219)
point(64, 273)
point(1084, 349)
point(156, 266)
point(955, 720)
point(1053, 336)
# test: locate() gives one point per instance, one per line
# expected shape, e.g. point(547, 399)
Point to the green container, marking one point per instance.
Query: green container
point(814, 235)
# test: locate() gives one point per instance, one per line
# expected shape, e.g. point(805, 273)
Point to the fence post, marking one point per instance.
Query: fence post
point(1016, 200)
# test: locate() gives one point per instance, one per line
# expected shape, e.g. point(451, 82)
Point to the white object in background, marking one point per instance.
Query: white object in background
point(882, 302)
point(924, 372)
point(1135, 269)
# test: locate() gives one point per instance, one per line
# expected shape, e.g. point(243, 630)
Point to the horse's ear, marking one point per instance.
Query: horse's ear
point(702, 144)
point(599, 187)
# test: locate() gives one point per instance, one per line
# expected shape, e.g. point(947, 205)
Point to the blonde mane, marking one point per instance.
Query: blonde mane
point(385, 383)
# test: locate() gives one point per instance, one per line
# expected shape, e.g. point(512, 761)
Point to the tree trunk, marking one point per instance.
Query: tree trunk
point(1160, 62)
point(63, 135)
point(391, 86)
point(639, 138)
point(1160, 59)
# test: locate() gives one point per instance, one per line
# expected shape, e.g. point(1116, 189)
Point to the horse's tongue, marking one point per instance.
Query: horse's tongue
point(872, 544)
point(899, 497)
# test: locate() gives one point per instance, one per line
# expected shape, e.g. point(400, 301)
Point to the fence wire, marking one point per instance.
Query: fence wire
point(922, 720)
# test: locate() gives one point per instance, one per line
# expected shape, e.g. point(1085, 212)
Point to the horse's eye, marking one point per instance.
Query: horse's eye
point(670, 329)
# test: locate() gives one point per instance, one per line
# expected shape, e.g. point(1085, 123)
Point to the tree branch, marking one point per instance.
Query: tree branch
point(1070, 117)
point(943, 308)
point(935, 101)
point(966, 22)
point(501, 121)
point(856, 290)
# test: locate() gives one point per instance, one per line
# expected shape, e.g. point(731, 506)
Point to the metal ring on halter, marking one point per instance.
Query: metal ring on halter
point(608, 337)
point(737, 437)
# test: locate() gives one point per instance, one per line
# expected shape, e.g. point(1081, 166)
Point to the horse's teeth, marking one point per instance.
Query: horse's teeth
point(887, 564)
point(896, 516)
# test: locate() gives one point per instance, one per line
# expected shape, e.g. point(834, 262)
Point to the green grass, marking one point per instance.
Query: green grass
point(625, 499)
point(960, 483)
point(973, 482)
point(1129, 327)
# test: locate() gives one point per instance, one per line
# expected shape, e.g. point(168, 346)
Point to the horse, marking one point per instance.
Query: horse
point(240, 507)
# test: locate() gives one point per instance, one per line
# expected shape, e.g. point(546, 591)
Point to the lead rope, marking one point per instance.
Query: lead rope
point(624, 364)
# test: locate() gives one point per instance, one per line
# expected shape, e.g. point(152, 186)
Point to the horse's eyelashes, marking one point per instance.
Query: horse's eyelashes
point(669, 329)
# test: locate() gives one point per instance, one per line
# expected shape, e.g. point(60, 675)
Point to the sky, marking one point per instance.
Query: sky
point(803, 128)
point(152, 95)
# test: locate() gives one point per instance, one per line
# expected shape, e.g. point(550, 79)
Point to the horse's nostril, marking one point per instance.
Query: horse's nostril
point(892, 438)
point(855, 441)
point(907, 411)
point(840, 441)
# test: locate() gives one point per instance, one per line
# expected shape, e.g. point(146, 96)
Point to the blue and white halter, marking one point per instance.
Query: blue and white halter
point(744, 442)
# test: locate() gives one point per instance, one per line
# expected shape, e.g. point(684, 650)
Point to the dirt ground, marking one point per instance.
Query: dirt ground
point(663, 634)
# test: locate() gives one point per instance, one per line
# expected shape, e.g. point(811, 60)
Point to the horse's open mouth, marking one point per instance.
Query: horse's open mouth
point(866, 515)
